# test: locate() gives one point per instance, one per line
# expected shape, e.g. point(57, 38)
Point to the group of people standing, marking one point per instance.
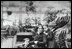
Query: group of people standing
point(44, 34)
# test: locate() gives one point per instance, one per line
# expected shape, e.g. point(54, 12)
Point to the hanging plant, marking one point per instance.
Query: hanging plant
point(30, 7)
point(9, 12)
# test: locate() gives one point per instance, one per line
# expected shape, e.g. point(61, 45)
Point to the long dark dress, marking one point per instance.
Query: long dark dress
point(41, 40)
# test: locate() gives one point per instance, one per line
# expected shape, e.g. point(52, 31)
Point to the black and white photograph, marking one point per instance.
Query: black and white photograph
point(35, 24)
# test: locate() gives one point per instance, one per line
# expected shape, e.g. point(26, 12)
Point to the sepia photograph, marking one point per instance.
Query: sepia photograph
point(35, 24)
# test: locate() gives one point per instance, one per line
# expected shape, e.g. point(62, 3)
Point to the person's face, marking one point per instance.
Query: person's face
point(45, 28)
point(40, 29)
point(48, 15)
point(26, 39)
